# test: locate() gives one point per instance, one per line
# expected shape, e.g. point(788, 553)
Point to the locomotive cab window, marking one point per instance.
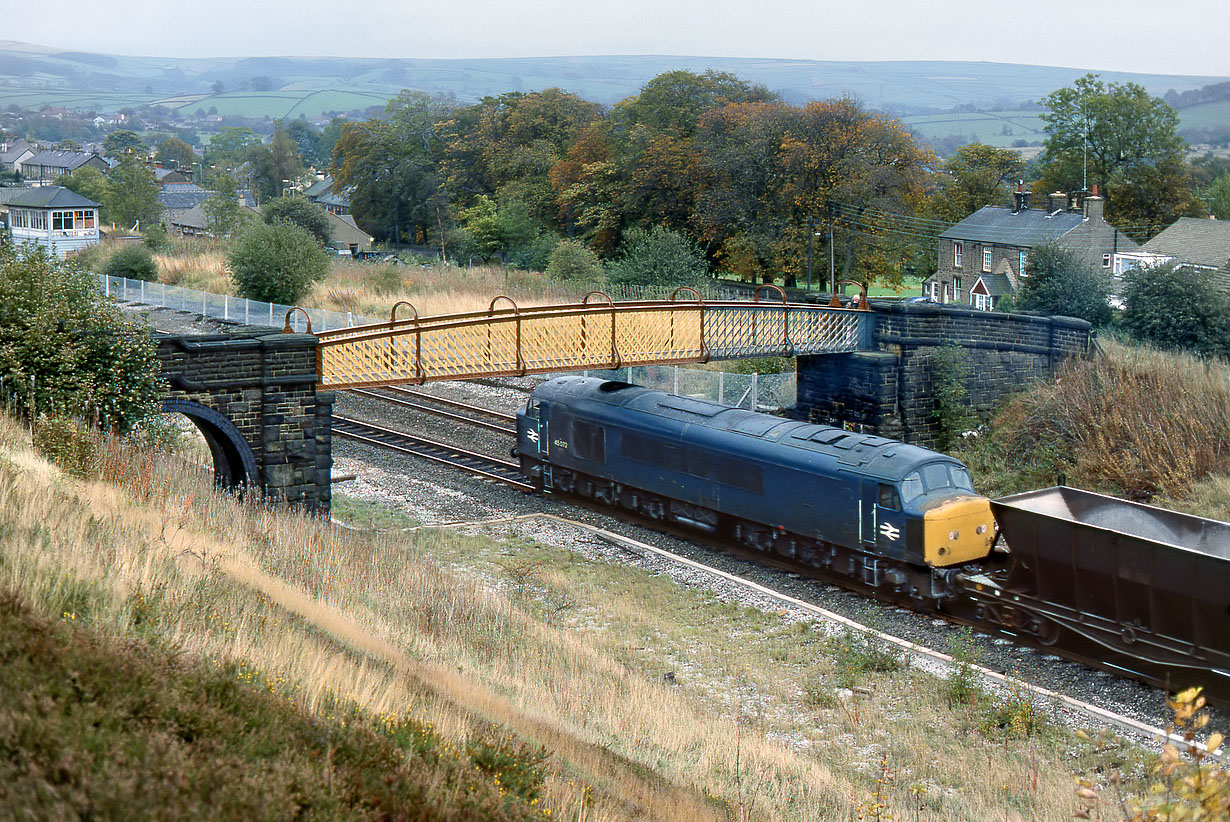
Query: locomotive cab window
point(589, 440)
point(888, 497)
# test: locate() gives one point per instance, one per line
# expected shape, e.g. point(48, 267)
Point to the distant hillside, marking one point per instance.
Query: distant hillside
point(32, 76)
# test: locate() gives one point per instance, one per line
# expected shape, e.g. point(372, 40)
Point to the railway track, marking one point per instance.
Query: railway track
point(425, 403)
point(452, 456)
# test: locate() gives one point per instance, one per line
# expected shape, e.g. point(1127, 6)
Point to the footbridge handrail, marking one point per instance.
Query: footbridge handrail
point(511, 340)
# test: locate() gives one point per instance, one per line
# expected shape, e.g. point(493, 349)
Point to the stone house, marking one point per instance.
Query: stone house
point(53, 216)
point(1190, 242)
point(45, 166)
point(983, 258)
point(325, 195)
point(14, 153)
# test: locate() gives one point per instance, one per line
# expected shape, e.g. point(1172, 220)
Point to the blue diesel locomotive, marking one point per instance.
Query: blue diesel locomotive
point(881, 513)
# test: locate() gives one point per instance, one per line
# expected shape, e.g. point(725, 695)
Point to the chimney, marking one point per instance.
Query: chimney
point(1056, 201)
point(1018, 196)
point(1094, 205)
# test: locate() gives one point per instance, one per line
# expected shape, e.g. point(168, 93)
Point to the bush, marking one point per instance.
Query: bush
point(1177, 308)
point(949, 376)
point(301, 212)
point(962, 685)
point(134, 262)
point(156, 237)
point(67, 445)
point(658, 256)
point(574, 260)
point(276, 263)
point(533, 254)
point(64, 349)
point(1059, 283)
point(856, 653)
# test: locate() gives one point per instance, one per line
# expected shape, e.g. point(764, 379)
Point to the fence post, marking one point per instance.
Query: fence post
point(107, 288)
point(755, 391)
point(350, 319)
point(676, 389)
point(143, 292)
point(270, 313)
point(226, 307)
point(722, 387)
point(247, 308)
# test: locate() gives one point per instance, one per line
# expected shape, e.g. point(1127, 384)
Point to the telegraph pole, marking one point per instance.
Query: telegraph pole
point(828, 208)
point(811, 236)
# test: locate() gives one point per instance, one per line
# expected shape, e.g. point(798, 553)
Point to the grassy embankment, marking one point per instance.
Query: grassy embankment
point(182, 650)
point(1138, 423)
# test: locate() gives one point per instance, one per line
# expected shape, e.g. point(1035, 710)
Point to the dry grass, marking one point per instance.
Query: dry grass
point(1136, 422)
point(567, 652)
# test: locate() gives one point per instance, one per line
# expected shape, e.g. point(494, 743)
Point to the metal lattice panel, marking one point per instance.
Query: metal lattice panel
point(576, 337)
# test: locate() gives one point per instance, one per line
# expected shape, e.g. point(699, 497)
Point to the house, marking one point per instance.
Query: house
point(322, 193)
point(982, 258)
point(14, 153)
point(52, 216)
point(345, 237)
point(178, 198)
point(1190, 242)
point(45, 166)
point(195, 221)
point(169, 176)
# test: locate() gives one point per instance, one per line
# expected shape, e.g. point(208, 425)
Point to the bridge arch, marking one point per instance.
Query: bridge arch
point(234, 461)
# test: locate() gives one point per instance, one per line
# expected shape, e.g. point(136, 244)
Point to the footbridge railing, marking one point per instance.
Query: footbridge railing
point(507, 340)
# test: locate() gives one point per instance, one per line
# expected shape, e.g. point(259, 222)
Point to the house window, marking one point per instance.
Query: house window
point(986, 259)
point(956, 255)
point(956, 283)
point(1105, 261)
point(61, 220)
point(1024, 262)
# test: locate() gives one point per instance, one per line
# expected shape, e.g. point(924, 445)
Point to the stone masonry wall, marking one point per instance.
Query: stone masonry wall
point(890, 391)
point(265, 385)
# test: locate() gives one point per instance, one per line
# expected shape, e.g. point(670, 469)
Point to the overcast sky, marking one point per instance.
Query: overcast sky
point(1151, 36)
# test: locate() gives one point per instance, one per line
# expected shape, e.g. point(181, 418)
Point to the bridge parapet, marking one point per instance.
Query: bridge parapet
point(507, 340)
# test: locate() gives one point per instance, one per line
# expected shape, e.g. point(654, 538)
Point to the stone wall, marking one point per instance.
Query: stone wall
point(889, 391)
point(254, 397)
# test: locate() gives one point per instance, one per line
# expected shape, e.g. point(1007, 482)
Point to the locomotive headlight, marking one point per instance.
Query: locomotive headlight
point(981, 529)
point(953, 536)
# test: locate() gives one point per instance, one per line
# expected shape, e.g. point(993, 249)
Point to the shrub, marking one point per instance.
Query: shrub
point(658, 256)
point(134, 262)
point(65, 349)
point(856, 653)
point(1059, 283)
point(533, 254)
point(67, 445)
point(156, 237)
point(574, 260)
point(949, 375)
point(276, 263)
point(962, 685)
point(301, 212)
point(1178, 308)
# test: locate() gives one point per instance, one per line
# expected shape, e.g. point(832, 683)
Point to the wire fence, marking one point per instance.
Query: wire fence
point(757, 392)
point(225, 307)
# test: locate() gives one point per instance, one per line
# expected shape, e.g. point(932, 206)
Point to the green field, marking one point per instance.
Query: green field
point(1206, 115)
point(994, 128)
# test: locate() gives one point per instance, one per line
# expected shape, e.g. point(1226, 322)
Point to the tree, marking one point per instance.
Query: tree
point(134, 262)
point(223, 211)
point(1219, 197)
point(1057, 282)
point(1177, 307)
point(174, 153)
point(1109, 134)
point(91, 183)
point(301, 212)
point(276, 263)
point(573, 260)
point(229, 147)
point(658, 256)
point(64, 348)
point(122, 141)
point(674, 102)
point(133, 194)
point(976, 175)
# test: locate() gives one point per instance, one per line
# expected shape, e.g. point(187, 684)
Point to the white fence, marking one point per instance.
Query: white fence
point(223, 306)
point(757, 392)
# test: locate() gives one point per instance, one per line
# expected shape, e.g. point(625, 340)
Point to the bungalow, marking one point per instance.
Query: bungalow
point(1190, 242)
point(51, 216)
point(982, 258)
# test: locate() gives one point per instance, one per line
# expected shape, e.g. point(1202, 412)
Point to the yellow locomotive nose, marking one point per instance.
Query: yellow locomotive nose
point(958, 531)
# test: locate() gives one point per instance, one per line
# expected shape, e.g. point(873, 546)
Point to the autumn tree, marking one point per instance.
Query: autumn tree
point(976, 175)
